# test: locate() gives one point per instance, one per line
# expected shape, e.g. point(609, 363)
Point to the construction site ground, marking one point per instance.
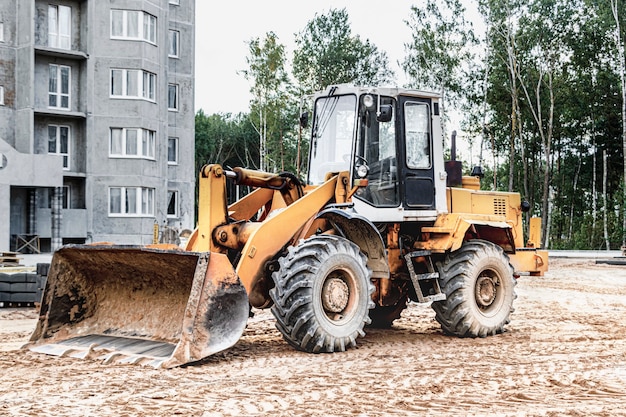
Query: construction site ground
point(564, 354)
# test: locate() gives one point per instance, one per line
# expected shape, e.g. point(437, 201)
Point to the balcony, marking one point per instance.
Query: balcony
point(60, 113)
point(61, 53)
point(73, 223)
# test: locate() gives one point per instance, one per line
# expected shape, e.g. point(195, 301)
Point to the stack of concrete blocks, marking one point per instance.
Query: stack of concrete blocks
point(19, 289)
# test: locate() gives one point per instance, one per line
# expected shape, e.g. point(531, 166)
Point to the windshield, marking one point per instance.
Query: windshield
point(332, 136)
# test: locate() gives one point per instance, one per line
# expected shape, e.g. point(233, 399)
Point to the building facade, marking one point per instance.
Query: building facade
point(96, 121)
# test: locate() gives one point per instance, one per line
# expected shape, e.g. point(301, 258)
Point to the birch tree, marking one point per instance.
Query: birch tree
point(620, 65)
point(269, 80)
point(440, 48)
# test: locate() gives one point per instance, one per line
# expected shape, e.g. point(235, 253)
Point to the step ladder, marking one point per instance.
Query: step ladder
point(426, 285)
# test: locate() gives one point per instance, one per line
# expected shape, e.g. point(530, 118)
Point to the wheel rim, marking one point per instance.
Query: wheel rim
point(488, 292)
point(339, 294)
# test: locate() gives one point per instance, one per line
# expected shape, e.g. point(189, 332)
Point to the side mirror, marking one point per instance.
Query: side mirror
point(304, 119)
point(385, 113)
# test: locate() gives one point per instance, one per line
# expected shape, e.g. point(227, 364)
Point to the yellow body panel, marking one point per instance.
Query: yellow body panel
point(506, 206)
point(489, 215)
point(274, 233)
point(535, 262)
point(452, 229)
point(534, 235)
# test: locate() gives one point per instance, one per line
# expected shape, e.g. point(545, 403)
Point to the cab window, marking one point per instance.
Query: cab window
point(418, 153)
point(377, 145)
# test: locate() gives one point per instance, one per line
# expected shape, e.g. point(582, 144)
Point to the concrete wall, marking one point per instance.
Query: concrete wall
point(73, 226)
point(182, 123)
point(23, 76)
point(8, 12)
point(77, 140)
point(114, 112)
point(24, 71)
point(105, 171)
point(22, 171)
point(41, 22)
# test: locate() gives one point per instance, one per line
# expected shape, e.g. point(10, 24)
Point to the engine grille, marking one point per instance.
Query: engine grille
point(499, 206)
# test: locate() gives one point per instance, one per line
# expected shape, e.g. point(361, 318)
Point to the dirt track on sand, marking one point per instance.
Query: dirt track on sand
point(564, 354)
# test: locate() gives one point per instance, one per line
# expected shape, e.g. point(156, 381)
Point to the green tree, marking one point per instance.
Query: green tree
point(442, 42)
point(327, 53)
point(553, 109)
point(542, 77)
point(226, 139)
point(619, 43)
point(502, 64)
point(266, 72)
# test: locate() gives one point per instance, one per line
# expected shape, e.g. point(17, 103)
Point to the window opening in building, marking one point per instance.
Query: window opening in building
point(174, 43)
point(137, 84)
point(132, 143)
point(59, 26)
point(172, 151)
point(59, 143)
point(131, 201)
point(65, 198)
point(172, 203)
point(172, 97)
point(133, 25)
point(59, 87)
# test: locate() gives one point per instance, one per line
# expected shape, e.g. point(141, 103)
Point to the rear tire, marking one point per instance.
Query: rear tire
point(322, 294)
point(480, 288)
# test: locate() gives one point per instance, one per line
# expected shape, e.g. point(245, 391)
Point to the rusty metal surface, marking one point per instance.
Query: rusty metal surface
point(106, 299)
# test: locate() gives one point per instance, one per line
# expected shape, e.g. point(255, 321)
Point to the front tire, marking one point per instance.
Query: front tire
point(322, 294)
point(480, 288)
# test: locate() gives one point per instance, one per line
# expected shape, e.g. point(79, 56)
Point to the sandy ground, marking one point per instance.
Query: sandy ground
point(564, 354)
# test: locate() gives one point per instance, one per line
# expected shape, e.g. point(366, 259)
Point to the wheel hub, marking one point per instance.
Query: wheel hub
point(486, 291)
point(335, 295)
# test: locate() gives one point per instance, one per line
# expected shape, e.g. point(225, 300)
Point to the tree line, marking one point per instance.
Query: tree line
point(539, 85)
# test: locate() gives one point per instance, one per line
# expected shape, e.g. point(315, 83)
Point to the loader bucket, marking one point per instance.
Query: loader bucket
point(134, 304)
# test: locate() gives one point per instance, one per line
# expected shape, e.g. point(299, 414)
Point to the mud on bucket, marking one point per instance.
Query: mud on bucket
point(134, 304)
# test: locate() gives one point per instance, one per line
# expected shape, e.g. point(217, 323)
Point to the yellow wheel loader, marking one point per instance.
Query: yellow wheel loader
point(380, 220)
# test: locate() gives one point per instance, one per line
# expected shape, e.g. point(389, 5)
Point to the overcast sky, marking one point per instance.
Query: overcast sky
point(223, 29)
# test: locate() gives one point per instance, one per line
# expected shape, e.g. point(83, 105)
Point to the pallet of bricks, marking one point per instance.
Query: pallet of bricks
point(20, 286)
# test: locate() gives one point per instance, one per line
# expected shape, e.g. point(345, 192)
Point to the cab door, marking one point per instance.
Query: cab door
point(416, 159)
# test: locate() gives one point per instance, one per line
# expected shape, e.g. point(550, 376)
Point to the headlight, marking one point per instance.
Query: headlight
point(362, 171)
point(368, 101)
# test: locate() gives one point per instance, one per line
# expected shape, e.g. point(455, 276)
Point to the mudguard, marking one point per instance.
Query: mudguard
point(361, 231)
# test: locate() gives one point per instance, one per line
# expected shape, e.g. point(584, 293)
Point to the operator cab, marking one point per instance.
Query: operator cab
point(389, 136)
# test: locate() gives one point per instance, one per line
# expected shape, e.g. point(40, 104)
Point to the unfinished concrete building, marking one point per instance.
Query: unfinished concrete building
point(96, 121)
